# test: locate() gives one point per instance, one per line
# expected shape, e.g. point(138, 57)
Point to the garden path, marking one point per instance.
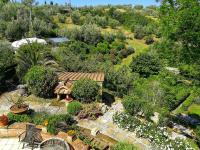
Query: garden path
point(106, 126)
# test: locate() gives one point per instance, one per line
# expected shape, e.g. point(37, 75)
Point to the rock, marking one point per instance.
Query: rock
point(21, 86)
point(173, 70)
point(155, 118)
point(94, 131)
point(176, 135)
point(104, 109)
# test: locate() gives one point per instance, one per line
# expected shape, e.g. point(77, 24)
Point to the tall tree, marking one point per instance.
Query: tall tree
point(29, 4)
point(180, 21)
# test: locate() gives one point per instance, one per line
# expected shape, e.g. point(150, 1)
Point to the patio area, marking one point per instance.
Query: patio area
point(12, 144)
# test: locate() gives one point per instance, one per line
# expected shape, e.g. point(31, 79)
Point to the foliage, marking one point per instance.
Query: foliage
point(146, 65)
point(113, 23)
point(119, 81)
point(103, 48)
point(41, 81)
point(39, 118)
point(90, 111)
point(85, 90)
point(74, 108)
point(30, 55)
point(19, 118)
point(149, 40)
point(139, 32)
point(157, 135)
point(55, 119)
point(168, 52)
point(123, 146)
point(180, 22)
point(190, 71)
point(16, 29)
point(6, 62)
point(91, 34)
point(135, 105)
point(76, 17)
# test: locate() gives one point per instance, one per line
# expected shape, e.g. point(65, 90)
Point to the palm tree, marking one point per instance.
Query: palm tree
point(31, 55)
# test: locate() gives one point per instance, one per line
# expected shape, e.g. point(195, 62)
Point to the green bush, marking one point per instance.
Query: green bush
point(134, 104)
point(53, 121)
point(40, 118)
point(190, 71)
point(124, 146)
point(145, 65)
point(41, 81)
point(74, 108)
point(19, 118)
point(85, 90)
point(7, 67)
point(76, 17)
point(149, 40)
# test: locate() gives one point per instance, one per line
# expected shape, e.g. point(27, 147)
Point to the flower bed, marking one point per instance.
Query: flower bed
point(157, 135)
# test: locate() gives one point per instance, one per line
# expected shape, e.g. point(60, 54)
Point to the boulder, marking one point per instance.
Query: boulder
point(155, 118)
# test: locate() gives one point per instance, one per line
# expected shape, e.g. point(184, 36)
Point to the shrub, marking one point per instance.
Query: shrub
point(139, 32)
point(53, 122)
point(149, 40)
point(41, 81)
point(145, 65)
point(134, 105)
point(7, 68)
point(90, 111)
point(113, 23)
point(19, 118)
point(74, 108)
point(90, 34)
point(76, 17)
point(157, 135)
point(121, 36)
point(190, 71)
point(85, 90)
point(109, 37)
point(117, 45)
point(30, 55)
point(130, 50)
point(40, 118)
point(103, 48)
point(124, 146)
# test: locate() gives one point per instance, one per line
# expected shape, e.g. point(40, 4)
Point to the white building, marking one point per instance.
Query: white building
point(17, 44)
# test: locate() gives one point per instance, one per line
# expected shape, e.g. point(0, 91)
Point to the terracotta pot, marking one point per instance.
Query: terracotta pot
point(3, 120)
point(15, 110)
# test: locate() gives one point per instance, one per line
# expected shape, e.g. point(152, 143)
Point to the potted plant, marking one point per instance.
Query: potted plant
point(18, 106)
point(3, 120)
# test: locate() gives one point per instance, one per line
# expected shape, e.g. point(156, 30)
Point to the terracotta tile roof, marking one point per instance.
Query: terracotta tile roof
point(74, 76)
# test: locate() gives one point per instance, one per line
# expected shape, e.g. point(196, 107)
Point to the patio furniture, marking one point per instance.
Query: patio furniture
point(54, 144)
point(31, 137)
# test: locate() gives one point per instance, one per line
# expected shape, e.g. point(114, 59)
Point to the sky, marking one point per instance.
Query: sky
point(102, 2)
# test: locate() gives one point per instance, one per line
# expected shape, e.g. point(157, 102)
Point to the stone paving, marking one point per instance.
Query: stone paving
point(106, 126)
point(38, 107)
point(12, 144)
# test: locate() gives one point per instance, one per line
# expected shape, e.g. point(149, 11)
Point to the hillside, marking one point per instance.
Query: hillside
point(132, 70)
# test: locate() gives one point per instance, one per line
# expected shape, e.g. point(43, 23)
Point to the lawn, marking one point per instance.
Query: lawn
point(139, 46)
point(194, 109)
